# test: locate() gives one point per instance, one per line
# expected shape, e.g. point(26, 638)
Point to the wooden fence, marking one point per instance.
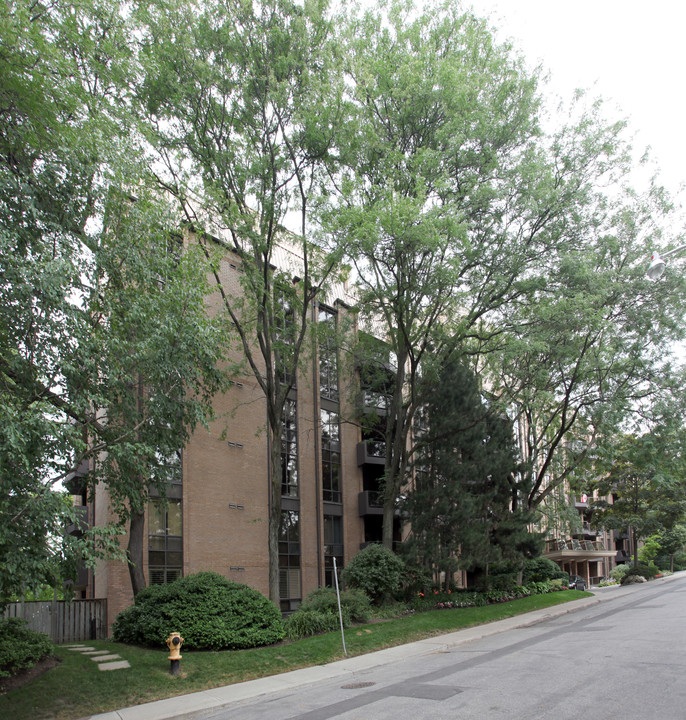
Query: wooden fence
point(64, 622)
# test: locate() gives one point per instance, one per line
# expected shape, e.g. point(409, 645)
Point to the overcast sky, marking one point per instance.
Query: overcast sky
point(631, 53)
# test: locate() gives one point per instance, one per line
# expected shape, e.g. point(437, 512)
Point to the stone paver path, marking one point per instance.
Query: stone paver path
point(105, 659)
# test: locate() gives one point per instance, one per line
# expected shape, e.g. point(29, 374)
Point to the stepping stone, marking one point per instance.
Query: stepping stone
point(96, 652)
point(105, 657)
point(114, 665)
point(82, 648)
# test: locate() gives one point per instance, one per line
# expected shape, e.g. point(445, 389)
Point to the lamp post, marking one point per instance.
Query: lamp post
point(657, 264)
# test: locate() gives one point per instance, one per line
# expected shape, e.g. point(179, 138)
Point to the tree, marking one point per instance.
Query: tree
point(243, 98)
point(647, 497)
point(106, 352)
point(434, 199)
point(671, 542)
point(461, 508)
point(588, 348)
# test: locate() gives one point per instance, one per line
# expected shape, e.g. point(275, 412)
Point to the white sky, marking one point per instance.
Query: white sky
point(630, 52)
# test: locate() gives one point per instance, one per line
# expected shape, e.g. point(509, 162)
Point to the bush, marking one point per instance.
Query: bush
point(210, 612)
point(618, 572)
point(319, 612)
point(354, 602)
point(542, 570)
point(377, 571)
point(21, 648)
point(642, 570)
point(303, 623)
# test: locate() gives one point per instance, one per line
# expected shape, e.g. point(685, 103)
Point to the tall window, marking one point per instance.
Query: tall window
point(284, 325)
point(165, 541)
point(289, 451)
point(289, 560)
point(333, 546)
point(331, 456)
point(328, 358)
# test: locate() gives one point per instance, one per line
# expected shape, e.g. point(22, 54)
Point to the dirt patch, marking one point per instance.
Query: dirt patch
point(17, 681)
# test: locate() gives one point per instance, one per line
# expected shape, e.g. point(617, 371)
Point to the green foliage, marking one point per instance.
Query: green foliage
point(98, 299)
point(650, 549)
point(318, 612)
point(642, 570)
point(353, 600)
point(377, 571)
point(303, 623)
point(619, 571)
point(541, 569)
point(462, 506)
point(21, 648)
point(209, 611)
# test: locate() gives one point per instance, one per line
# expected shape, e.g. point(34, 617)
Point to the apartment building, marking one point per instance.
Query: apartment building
point(215, 516)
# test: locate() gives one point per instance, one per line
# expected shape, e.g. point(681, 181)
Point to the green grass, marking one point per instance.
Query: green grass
point(76, 688)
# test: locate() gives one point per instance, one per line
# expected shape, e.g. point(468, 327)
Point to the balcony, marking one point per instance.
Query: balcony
point(81, 520)
point(587, 531)
point(581, 501)
point(576, 549)
point(370, 502)
point(372, 401)
point(371, 452)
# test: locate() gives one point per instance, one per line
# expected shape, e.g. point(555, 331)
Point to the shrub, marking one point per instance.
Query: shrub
point(542, 570)
point(377, 571)
point(354, 602)
point(21, 648)
point(642, 570)
point(303, 623)
point(618, 572)
point(210, 612)
point(318, 613)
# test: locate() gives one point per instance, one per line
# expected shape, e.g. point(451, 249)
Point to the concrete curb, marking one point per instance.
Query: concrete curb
point(195, 705)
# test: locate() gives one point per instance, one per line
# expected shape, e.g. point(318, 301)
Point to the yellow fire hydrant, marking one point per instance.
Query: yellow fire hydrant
point(174, 642)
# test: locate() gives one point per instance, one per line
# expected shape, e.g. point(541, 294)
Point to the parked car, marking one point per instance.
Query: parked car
point(576, 582)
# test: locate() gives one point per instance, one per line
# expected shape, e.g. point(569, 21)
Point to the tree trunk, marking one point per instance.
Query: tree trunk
point(274, 514)
point(134, 552)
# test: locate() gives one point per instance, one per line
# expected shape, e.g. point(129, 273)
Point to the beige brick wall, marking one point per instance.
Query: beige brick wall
point(226, 489)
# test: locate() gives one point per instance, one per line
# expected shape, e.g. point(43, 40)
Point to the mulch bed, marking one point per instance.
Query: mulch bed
point(17, 681)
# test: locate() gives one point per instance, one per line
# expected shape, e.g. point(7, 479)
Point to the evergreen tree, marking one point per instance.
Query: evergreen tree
point(463, 507)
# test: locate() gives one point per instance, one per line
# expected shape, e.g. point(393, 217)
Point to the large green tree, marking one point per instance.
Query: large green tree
point(106, 353)
point(241, 102)
point(461, 506)
point(591, 346)
point(641, 476)
point(448, 197)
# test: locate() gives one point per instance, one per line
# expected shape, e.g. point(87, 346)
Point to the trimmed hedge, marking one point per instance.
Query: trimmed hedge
point(21, 648)
point(377, 571)
point(210, 612)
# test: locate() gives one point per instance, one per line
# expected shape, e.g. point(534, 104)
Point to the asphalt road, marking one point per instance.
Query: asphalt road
point(622, 658)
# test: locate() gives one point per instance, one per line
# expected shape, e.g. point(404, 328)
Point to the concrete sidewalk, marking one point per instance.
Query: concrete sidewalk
point(196, 704)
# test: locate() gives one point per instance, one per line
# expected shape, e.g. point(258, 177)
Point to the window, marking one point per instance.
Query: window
point(331, 456)
point(289, 560)
point(333, 547)
point(328, 359)
point(165, 541)
point(284, 330)
point(289, 451)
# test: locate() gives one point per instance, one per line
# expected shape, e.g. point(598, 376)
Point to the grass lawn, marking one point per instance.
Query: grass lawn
point(76, 688)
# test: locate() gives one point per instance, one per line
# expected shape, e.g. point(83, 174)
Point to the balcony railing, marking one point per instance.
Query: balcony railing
point(80, 523)
point(370, 503)
point(371, 452)
point(574, 544)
